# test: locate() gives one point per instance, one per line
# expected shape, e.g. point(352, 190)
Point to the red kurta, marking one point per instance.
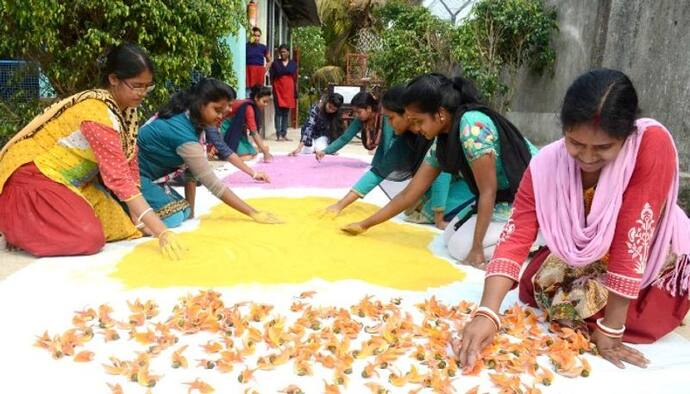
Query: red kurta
point(249, 115)
point(643, 201)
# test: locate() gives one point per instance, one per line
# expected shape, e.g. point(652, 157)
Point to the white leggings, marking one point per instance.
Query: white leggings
point(318, 144)
point(459, 242)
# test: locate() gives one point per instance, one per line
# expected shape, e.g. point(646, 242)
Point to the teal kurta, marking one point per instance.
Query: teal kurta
point(446, 192)
point(479, 136)
point(158, 142)
point(387, 138)
point(245, 147)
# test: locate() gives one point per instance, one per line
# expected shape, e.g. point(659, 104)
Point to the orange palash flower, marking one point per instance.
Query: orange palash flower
point(115, 388)
point(231, 356)
point(145, 379)
point(382, 332)
point(224, 366)
point(297, 306)
point(104, 319)
point(330, 388)
point(473, 390)
point(586, 367)
point(204, 363)
point(369, 371)
point(137, 319)
point(325, 360)
point(340, 377)
point(544, 377)
point(212, 347)
point(116, 367)
point(110, 335)
point(397, 379)
point(246, 375)
point(145, 338)
point(44, 341)
point(83, 356)
point(505, 382)
point(376, 388)
point(199, 386)
point(302, 367)
point(177, 359)
point(307, 294)
point(292, 389)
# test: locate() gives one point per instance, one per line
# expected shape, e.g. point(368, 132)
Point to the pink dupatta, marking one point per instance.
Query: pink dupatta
point(560, 210)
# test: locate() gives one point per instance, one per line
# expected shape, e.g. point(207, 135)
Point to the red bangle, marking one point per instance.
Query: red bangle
point(491, 319)
point(489, 314)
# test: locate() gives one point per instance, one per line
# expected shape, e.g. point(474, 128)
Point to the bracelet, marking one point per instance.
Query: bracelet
point(149, 209)
point(140, 225)
point(608, 331)
point(606, 334)
point(489, 314)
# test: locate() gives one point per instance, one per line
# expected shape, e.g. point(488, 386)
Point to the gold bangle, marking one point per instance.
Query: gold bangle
point(167, 230)
point(132, 198)
point(141, 216)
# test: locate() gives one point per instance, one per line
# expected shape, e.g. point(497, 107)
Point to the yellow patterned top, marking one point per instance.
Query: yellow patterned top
point(59, 149)
point(55, 143)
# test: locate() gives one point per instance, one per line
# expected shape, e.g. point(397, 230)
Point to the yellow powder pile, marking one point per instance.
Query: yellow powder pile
point(229, 249)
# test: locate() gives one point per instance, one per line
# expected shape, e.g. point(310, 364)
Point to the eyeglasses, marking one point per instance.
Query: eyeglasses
point(140, 90)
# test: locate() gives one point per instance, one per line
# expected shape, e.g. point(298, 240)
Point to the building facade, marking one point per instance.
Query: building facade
point(276, 19)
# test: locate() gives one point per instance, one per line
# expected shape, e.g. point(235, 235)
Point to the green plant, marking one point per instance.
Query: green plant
point(498, 38)
point(327, 75)
point(14, 114)
point(413, 42)
point(311, 45)
point(66, 38)
point(341, 21)
point(501, 37)
point(684, 195)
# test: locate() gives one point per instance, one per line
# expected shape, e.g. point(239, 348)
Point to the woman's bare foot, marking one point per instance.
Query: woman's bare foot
point(247, 157)
point(4, 245)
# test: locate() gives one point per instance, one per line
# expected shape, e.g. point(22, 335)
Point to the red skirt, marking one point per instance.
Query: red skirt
point(284, 91)
point(255, 76)
point(45, 218)
point(652, 315)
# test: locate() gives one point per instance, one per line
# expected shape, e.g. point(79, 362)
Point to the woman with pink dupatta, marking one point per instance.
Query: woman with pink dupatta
point(616, 264)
